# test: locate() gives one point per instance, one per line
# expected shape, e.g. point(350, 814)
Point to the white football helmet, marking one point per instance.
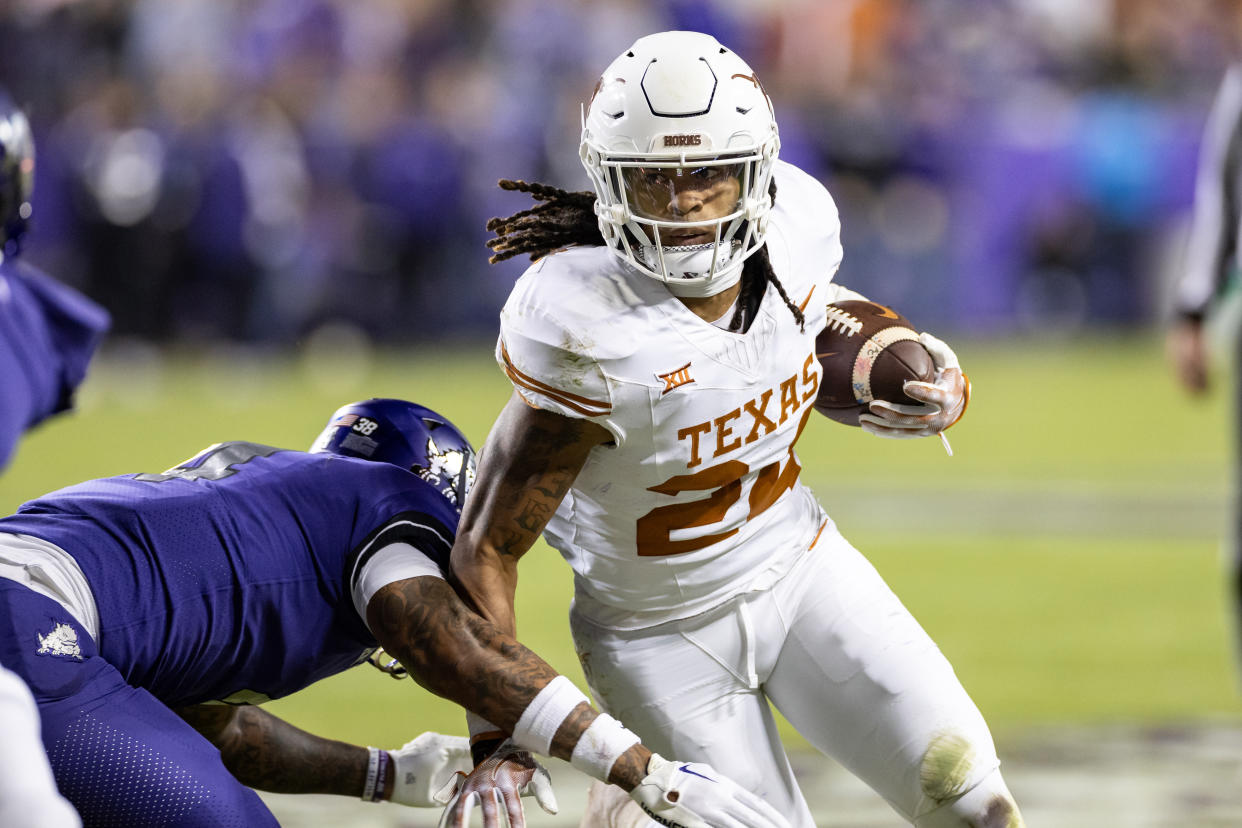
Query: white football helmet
point(680, 140)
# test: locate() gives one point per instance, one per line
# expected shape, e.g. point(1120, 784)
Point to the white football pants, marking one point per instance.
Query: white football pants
point(835, 651)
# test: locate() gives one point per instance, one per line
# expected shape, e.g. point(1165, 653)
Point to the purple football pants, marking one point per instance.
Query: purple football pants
point(118, 754)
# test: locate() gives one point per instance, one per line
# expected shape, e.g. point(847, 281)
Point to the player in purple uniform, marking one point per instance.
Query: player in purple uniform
point(48, 331)
point(148, 611)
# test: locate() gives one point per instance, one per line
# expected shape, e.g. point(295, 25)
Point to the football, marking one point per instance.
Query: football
point(867, 352)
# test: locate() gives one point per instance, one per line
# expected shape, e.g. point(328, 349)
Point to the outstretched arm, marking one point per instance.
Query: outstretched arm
point(270, 754)
point(457, 654)
point(528, 465)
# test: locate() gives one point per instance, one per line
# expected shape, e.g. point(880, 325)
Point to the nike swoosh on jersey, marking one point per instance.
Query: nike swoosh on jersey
point(807, 300)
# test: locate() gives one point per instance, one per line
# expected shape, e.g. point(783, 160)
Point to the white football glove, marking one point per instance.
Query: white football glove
point(422, 767)
point(497, 785)
point(693, 795)
point(942, 402)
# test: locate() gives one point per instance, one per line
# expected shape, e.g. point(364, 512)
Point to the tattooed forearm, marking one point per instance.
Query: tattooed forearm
point(574, 725)
point(270, 754)
point(457, 654)
point(627, 771)
point(630, 768)
point(512, 542)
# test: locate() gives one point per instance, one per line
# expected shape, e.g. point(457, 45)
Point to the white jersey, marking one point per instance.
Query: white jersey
point(699, 496)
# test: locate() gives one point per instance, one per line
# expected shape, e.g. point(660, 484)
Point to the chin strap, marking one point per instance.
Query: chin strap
point(701, 290)
point(692, 285)
point(687, 268)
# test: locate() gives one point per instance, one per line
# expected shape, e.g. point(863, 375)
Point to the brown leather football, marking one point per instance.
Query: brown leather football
point(867, 352)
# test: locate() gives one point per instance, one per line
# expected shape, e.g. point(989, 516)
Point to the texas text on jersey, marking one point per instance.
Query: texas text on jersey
point(704, 420)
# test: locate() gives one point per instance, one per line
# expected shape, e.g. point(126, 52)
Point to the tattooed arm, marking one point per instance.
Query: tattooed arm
point(531, 459)
point(270, 754)
point(455, 653)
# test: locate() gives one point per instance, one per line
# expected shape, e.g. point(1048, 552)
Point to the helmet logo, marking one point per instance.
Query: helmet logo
point(683, 140)
point(445, 469)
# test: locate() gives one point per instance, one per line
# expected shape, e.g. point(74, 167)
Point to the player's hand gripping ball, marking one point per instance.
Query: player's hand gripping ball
point(867, 352)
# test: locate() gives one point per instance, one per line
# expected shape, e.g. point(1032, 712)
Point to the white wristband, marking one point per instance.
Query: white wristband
point(545, 713)
point(600, 746)
point(368, 790)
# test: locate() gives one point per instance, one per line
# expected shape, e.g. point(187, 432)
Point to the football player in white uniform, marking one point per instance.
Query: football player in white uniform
point(662, 374)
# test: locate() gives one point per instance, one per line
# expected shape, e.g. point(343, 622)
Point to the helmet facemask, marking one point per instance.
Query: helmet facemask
point(693, 254)
point(680, 143)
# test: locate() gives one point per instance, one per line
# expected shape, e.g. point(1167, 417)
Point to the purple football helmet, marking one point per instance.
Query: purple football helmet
point(407, 435)
point(17, 159)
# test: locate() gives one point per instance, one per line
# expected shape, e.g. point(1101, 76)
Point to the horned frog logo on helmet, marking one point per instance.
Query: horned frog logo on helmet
point(447, 469)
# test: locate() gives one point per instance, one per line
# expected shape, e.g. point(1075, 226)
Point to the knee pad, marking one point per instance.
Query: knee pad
point(987, 805)
point(958, 795)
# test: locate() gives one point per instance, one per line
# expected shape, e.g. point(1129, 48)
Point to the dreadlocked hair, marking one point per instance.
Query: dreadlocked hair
point(563, 218)
point(757, 274)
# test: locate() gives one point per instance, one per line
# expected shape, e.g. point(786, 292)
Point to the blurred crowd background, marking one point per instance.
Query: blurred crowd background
point(252, 170)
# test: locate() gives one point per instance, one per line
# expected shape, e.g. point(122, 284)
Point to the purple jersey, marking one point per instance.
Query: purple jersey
point(230, 576)
point(48, 333)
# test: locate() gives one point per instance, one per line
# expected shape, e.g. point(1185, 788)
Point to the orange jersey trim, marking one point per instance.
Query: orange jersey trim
point(583, 405)
point(822, 526)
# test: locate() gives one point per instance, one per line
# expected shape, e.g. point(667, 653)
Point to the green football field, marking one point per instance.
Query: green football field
point(1066, 559)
